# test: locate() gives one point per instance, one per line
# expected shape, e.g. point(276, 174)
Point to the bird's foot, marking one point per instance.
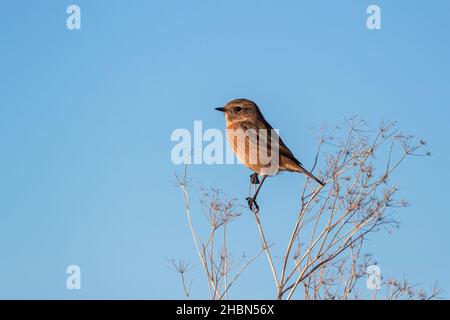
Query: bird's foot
point(254, 178)
point(252, 204)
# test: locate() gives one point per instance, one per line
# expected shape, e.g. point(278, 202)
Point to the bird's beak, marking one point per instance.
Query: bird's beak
point(220, 109)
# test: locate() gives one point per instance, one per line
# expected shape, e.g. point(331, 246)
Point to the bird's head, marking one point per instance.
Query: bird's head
point(241, 110)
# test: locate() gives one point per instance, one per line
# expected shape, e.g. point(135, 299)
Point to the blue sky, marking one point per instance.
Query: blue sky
point(86, 118)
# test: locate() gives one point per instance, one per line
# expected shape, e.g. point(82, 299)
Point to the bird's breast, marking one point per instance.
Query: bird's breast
point(253, 147)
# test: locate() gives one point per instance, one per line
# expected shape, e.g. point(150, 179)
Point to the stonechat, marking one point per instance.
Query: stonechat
point(257, 145)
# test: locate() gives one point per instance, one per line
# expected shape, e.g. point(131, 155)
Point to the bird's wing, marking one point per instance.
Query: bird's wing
point(283, 149)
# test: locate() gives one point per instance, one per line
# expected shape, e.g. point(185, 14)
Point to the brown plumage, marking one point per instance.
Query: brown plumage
point(244, 122)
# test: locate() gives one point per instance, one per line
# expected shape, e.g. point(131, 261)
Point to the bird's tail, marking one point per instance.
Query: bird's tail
point(309, 174)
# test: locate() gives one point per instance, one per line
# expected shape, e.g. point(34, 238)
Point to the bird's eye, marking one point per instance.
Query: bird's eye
point(238, 109)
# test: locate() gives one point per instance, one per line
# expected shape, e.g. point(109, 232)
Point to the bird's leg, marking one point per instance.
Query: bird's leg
point(252, 201)
point(254, 178)
point(252, 204)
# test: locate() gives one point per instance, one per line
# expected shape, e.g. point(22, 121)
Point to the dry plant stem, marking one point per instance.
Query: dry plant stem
point(225, 255)
point(211, 283)
point(240, 272)
point(333, 221)
point(185, 289)
point(360, 189)
point(266, 248)
point(216, 262)
point(303, 274)
point(182, 268)
point(294, 234)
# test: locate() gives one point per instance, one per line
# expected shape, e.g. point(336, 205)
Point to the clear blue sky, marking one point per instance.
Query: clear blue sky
point(86, 118)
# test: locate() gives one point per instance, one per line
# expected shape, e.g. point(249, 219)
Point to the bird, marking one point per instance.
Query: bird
point(253, 140)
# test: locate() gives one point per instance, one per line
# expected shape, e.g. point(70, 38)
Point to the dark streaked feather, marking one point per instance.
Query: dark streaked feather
point(283, 149)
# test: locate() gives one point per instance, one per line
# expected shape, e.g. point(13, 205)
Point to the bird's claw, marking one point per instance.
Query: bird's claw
point(252, 204)
point(254, 178)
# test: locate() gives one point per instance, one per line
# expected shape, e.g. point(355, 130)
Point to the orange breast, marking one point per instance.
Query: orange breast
point(251, 149)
